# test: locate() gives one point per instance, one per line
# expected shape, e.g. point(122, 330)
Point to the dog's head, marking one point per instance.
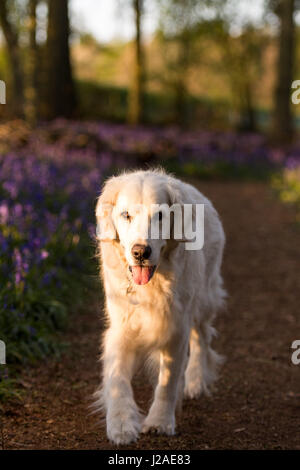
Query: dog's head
point(134, 212)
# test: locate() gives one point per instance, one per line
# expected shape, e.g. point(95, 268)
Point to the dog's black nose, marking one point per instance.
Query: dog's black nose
point(141, 252)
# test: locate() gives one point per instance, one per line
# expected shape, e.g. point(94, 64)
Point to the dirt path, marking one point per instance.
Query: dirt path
point(257, 401)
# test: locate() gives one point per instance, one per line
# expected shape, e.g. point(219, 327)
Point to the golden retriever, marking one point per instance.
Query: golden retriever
point(161, 299)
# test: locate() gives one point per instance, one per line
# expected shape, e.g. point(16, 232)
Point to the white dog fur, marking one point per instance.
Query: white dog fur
point(165, 323)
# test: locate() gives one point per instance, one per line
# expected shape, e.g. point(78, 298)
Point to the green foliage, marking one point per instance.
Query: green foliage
point(8, 389)
point(101, 101)
point(220, 171)
point(110, 103)
point(287, 185)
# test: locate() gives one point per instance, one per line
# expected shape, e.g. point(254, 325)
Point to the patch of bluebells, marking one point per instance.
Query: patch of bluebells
point(46, 212)
point(207, 153)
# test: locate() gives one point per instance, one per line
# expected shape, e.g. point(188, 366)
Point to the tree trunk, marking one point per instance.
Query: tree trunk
point(136, 91)
point(60, 91)
point(182, 66)
point(283, 120)
point(247, 116)
point(31, 91)
point(13, 50)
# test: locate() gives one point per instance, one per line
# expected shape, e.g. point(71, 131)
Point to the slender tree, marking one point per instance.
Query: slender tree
point(136, 90)
point(182, 67)
point(31, 93)
point(60, 91)
point(14, 55)
point(282, 118)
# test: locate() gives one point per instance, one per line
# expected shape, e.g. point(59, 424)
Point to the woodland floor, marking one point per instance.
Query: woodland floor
point(256, 404)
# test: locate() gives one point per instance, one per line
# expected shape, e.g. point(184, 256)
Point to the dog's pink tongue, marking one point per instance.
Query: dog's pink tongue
point(141, 274)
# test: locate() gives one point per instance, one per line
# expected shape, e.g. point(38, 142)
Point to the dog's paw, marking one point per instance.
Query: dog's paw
point(123, 428)
point(159, 425)
point(193, 389)
point(123, 433)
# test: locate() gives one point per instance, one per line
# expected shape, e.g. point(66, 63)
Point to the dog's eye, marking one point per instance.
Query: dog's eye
point(125, 215)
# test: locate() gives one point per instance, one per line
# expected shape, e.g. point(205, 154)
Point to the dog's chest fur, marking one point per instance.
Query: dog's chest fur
point(145, 312)
point(148, 314)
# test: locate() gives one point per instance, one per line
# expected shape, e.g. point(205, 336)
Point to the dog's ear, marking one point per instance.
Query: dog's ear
point(174, 191)
point(176, 200)
point(106, 230)
point(188, 223)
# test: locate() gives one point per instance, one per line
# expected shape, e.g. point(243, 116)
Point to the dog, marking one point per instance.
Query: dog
point(161, 300)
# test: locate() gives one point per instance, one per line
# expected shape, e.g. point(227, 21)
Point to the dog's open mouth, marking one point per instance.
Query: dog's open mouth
point(142, 274)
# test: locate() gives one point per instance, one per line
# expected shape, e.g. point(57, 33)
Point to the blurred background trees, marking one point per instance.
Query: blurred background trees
point(282, 118)
point(60, 92)
point(11, 35)
point(178, 34)
point(205, 65)
point(40, 75)
point(135, 107)
point(31, 94)
point(241, 61)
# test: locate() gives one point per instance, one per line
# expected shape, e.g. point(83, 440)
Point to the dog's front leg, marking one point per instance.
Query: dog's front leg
point(161, 416)
point(123, 420)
